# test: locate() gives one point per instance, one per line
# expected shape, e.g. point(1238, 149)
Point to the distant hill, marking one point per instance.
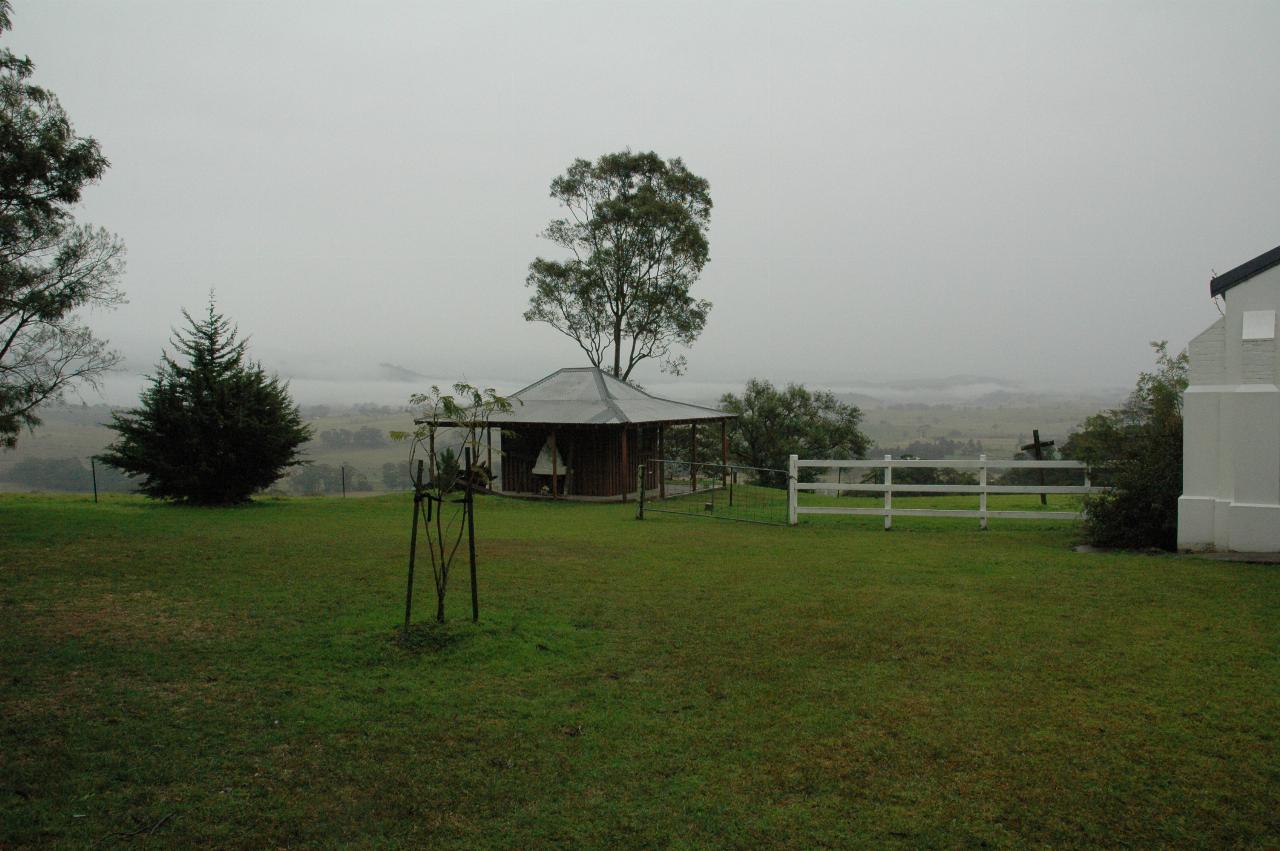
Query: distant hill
point(395, 372)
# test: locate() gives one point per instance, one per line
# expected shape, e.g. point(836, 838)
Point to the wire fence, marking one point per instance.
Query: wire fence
point(714, 491)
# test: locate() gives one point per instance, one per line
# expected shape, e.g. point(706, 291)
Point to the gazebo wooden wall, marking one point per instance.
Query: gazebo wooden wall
point(594, 454)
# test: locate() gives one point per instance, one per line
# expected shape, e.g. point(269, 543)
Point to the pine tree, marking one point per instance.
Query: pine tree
point(211, 431)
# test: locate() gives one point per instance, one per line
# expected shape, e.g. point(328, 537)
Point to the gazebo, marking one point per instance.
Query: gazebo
point(580, 433)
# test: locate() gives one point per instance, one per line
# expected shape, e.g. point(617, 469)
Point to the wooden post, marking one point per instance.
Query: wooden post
point(640, 499)
point(1039, 453)
point(793, 471)
point(888, 492)
point(732, 482)
point(693, 457)
point(724, 454)
point(470, 506)
point(93, 469)
point(982, 498)
point(626, 475)
point(662, 464)
point(1037, 446)
point(555, 463)
point(343, 469)
point(413, 550)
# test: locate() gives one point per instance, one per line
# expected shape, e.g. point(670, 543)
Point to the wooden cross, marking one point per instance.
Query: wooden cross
point(1036, 447)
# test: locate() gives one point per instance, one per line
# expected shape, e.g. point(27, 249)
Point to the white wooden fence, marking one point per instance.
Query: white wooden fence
point(982, 488)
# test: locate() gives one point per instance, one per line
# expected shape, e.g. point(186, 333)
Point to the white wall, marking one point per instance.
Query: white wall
point(1231, 427)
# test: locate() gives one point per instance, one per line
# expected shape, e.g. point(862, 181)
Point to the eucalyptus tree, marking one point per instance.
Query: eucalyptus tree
point(50, 267)
point(635, 233)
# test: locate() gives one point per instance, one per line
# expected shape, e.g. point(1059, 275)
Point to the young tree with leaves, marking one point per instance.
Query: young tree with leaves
point(774, 424)
point(50, 268)
point(212, 429)
point(466, 412)
point(636, 231)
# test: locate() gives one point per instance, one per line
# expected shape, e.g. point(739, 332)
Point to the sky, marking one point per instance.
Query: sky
point(1031, 191)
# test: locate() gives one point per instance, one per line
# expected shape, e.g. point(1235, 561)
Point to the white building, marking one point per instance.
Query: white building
point(1231, 418)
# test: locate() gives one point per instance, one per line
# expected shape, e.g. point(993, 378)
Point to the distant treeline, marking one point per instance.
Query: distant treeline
point(363, 438)
point(941, 448)
point(67, 474)
point(326, 479)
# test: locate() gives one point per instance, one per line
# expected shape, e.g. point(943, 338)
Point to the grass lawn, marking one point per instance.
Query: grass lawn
point(229, 678)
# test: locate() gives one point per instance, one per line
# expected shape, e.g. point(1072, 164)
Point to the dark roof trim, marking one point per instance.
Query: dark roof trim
point(1219, 284)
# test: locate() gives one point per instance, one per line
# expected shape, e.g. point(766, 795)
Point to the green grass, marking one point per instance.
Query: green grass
point(231, 676)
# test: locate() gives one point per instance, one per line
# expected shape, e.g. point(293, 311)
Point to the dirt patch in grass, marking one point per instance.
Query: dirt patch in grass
point(139, 616)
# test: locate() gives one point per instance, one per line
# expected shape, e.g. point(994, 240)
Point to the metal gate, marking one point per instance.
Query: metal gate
point(712, 490)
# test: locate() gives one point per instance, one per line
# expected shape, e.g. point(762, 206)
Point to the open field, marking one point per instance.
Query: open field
point(229, 678)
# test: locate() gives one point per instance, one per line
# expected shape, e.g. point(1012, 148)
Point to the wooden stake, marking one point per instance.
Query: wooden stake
point(413, 551)
point(662, 464)
point(470, 507)
point(693, 457)
point(724, 453)
point(93, 469)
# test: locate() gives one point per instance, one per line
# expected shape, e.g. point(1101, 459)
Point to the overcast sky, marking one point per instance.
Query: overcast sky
point(1024, 190)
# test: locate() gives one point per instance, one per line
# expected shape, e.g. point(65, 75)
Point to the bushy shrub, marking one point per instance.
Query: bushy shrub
point(212, 430)
point(1137, 450)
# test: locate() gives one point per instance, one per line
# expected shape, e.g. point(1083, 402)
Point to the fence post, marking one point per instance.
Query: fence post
point(93, 468)
point(640, 487)
point(982, 497)
point(470, 507)
point(792, 470)
point(888, 492)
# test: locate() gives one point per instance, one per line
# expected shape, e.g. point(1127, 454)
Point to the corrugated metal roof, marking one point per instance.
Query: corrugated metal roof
point(590, 396)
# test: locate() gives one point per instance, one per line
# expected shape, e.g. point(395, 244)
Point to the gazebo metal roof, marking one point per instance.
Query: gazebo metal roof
point(590, 396)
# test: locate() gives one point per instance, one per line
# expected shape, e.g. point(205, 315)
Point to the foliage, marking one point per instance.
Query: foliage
point(468, 410)
point(397, 476)
point(1137, 450)
point(366, 437)
point(327, 479)
point(50, 267)
point(67, 474)
point(211, 431)
point(940, 448)
point(637, 232)
point(773, 424)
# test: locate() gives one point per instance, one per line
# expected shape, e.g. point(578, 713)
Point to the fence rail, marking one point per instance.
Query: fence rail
point(982, 489)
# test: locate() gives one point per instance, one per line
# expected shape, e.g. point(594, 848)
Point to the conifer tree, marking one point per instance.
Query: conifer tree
point(212, 430)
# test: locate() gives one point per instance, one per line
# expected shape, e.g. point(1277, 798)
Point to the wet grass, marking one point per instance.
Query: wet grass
point(233, 678)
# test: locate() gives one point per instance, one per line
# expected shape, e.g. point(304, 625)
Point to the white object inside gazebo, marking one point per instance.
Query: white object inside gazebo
point(1231, 418)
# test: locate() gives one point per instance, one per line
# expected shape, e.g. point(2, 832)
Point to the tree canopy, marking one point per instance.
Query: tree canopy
point(213, 429)
point(636, 231)
point(773, 424)
point(50, 268)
